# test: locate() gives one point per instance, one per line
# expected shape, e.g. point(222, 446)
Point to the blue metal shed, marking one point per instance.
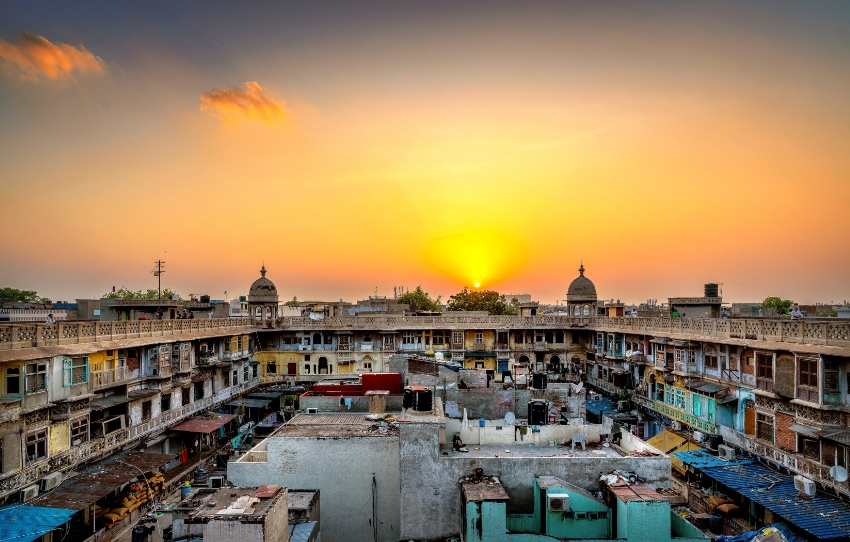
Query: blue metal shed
point(25, 523)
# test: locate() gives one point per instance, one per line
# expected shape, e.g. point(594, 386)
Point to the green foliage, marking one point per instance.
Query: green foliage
point(149, 294)
point(419, 300)
point(13, 295)
point(827, 312)
point(778, 305)
point(292, 302)
point(482, 300)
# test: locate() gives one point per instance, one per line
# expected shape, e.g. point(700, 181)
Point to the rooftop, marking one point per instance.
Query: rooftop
point(522, 450)
point(300, 499)
point(336, 425)
point(246, 504)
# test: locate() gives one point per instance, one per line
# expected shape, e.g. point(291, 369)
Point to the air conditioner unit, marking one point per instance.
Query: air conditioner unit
point(559, 502)
point(312, 410)
point(699, 437)
point(216, 481)
point(596, 397)
point(726, 452)
point(805, 486)
point(28, 493)
point(676, 426)
point(50, 481)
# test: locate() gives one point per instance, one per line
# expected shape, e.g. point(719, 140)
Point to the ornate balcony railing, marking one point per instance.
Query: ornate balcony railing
point(33, 472)
point(108, 376)
point(675, 414)
point(25, 335)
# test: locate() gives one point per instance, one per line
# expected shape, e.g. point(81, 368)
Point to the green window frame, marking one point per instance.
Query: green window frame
point(75, 371)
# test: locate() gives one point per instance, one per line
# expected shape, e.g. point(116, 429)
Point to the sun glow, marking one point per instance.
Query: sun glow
point(477, 257)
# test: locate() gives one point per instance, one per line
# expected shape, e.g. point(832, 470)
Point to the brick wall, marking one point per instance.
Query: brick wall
point(785, 438)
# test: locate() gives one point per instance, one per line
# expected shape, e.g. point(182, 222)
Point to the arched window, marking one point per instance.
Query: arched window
point(587, 310)
point(577, 311)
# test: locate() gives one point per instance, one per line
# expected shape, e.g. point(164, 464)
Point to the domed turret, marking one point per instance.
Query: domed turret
point(581, 296)
point(262, 290)
point(262, 298)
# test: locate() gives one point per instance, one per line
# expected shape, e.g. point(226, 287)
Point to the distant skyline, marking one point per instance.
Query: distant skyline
point(351, 146)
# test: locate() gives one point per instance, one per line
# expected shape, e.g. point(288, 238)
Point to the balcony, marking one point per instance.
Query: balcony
point(479, 345)
point(108, 376)
point(675, 414)
point(541, 346)
point(389, 347)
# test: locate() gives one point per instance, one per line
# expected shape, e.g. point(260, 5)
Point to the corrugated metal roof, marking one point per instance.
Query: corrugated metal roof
point(141, 394)
point(24, 523)
point(601, 406)
point(841, 435)
point(707, 387)
point(266, 394)
point(206, 423)
point(101, 479)
point(822, 516)
point(249, 402)
point(804, 430)
point(108, 402)
point(677, 463)
point(700, 459)
point(265, 491)
point(666, 441)
point(634, 492)
point(329, 419)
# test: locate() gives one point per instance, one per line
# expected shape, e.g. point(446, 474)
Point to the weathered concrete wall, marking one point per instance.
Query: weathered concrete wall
point(358, 404)
point(493, 403)
point(490, 434)
point(342, 469)
point(228, 531)
point(429, 480)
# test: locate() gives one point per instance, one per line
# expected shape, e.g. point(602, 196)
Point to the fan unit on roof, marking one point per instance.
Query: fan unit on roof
point(312, 410)
point(28, 493)
point(699, 437)
point(50, 481)
point(559, 502)
point(805, 486)
point(596, 397)
point(726, 452)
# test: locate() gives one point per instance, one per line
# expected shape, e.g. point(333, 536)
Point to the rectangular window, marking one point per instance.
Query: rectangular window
point(711, 361)
point(146, 411)
point(306, 357)
point(271, 368)
point(199, 390)
point(367, 365)
point(165, 403)
point(75, 371)
point(12, 382)
point(808, 372)
point(809, 447)
point(457, 337)
point(389, 340)
point(306, 368)
point(36, 375)
point(367, 338)
point(680, 398)
point(408, 337)
point(764, 366)
point(479, 336)
point(764, 427)
point(37, 445)
point(79, 431)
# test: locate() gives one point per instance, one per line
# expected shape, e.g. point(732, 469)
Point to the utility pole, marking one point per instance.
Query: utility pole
point(158, 273)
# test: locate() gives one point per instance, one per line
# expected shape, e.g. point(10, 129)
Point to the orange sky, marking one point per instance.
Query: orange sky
point(437, 145)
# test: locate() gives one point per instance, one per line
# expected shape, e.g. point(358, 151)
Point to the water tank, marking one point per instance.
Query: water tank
point(712, 289)
point(205, 299)
point(422, 401)
point(539, 381)
point(715, 524)
point(714, 441)
point(537, 412)
point(407, 401)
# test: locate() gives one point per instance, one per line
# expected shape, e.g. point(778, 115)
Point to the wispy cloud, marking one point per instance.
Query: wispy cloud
point(241, 103)
point(36, 56)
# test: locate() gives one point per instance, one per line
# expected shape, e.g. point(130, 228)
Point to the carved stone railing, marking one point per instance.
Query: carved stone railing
point(75, 332)
point(675, 414)
point(428, 322)
point(35, 471)
point(820, 332)
point(603, 385)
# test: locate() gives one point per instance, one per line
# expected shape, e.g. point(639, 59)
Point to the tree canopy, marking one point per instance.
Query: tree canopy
point(482, 300)
point(419, 300)
point(778, 305)
point(150, 293)
point(292, 302)
point(13, 295)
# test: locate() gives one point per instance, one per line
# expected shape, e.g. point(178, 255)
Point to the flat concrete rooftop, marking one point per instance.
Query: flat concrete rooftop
point(523, 450)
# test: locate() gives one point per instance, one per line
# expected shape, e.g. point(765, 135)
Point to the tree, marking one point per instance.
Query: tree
point(482, 300)
point(778, 305)
point(419, 300)
point(292, 302)
point(149, 294)
point(13, 295)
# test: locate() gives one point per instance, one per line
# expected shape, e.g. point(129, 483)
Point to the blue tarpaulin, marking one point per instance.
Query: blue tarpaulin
point(763, 532)
point(24, 523)
point(822, 516)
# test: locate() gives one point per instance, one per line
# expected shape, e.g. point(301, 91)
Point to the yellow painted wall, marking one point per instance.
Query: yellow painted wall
point(489, 339)
point(489, 363)
point(58, 438)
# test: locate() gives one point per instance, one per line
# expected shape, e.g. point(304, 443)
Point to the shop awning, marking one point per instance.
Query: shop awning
point(481, 354)
point(805, 430)
point(840, 434)
point(266, 394)
point(101, 479)
point(108, 402)
point(25, 523)
point(700, 459)
point(666, 441)
point(706, 387)
point(727, 399)
point(204, 424)
point(249, 402)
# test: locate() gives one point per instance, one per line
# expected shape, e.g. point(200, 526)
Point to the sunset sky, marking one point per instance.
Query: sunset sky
point(355, 145)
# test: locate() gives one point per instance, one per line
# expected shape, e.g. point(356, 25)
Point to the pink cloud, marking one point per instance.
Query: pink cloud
point(35, 56)
point(241, 103)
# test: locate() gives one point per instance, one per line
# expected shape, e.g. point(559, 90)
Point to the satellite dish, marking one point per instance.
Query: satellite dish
point(579, 386)
point(839, 474)
point(438, 356)
point(510, 418)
